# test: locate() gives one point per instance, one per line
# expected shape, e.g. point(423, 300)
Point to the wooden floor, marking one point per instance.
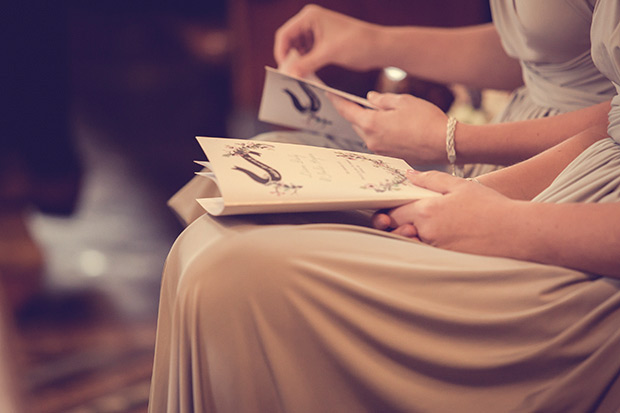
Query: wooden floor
point(86, 342)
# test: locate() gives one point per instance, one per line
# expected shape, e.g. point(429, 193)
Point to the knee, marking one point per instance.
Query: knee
point(246, 269)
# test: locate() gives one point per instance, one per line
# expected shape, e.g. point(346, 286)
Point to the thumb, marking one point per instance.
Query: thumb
point(308, 63)
point(384, 101)
point(441, 182)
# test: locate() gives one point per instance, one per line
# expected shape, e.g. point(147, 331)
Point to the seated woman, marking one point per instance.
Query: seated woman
point(549, 55)
point(503, 296)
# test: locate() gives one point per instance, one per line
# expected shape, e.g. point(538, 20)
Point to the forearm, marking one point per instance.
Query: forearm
point(527, 179)
point(477, 219)
point(581, 236)
point(507, 143)
point(471, 55)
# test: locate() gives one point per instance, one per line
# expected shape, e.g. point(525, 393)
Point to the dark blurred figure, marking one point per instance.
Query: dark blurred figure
point(39, 164)
point(36, 135)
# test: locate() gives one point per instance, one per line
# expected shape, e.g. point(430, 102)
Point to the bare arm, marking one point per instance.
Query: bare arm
point(508, 143)
point(525, 180)
point(581, 236)
point(482, 219)
point(414, 129)
point(471, 55)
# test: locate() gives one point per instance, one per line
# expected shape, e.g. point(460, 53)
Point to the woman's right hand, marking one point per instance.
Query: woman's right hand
point(324, 37)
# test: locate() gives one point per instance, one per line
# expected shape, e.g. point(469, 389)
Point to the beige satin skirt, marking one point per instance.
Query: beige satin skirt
point(320, 313)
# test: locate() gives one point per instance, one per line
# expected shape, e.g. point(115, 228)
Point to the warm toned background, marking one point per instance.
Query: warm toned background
point(144, 79)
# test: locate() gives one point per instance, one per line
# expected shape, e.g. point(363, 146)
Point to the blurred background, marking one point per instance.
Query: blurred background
point(102, 104)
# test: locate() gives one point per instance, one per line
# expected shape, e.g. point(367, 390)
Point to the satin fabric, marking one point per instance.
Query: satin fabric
point(320, 313)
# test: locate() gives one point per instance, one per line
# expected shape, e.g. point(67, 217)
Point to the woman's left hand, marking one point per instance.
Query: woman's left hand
point(468, 217)
point(402, 126)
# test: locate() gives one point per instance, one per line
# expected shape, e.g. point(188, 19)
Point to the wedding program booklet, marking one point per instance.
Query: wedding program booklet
point(303, 104)
point(267, 177)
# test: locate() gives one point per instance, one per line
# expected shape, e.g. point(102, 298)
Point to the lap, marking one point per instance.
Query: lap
point(355, 308)
point(299, 288)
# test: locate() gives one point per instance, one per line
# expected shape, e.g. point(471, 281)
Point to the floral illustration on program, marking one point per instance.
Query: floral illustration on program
point(311, 108)
point(395, 182)
point(268, 176)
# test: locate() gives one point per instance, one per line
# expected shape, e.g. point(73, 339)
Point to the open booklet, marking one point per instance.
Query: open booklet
point(303, 104)
point(267, 177)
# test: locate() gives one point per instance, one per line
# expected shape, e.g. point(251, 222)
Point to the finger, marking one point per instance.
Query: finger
point(308, 63)
point(291, 57)
point(407, 230)
point(401, 215)
point(295, 33)
point(434, 180)
point(385, 101)
point(352, 112)
point(282, 44)
point(381, 220)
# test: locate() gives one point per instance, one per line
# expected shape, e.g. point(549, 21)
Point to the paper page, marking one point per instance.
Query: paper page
point(303, 104)
point(259, 177)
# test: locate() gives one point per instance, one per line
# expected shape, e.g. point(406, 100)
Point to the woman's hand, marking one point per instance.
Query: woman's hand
point(469, 217)
point(325, 37)
point(402, 126)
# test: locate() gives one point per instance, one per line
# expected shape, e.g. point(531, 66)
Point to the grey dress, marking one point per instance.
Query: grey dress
point(551, 39)
point(268, 314)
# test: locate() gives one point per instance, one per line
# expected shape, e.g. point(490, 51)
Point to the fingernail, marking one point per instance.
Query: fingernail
point(412, 172)
point(371, 94)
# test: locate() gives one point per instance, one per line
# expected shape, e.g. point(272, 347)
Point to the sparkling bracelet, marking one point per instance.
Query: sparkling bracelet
point(457, 170)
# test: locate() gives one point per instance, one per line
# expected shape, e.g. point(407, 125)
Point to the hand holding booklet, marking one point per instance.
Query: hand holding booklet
point(303, 104)
point(256, 177)
point(267, 177)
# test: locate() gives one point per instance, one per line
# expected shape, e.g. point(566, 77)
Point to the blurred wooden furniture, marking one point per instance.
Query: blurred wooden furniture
point(10, 389)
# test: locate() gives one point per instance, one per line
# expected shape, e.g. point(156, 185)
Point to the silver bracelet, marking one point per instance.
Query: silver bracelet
point(457, 170)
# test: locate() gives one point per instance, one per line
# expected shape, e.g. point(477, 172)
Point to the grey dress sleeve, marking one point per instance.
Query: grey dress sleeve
point(605, 35)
